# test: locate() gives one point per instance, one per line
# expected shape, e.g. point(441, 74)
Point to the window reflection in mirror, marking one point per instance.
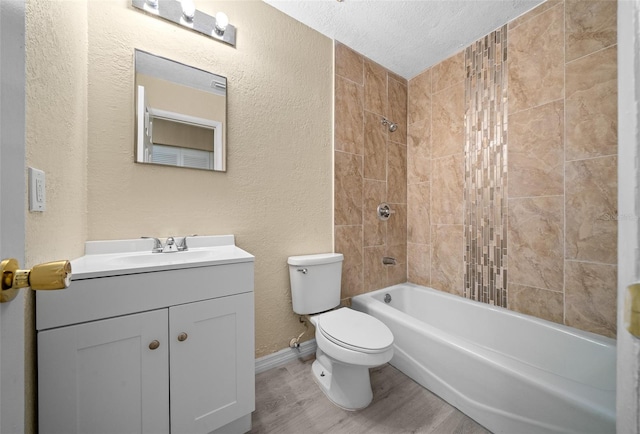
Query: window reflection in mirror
point(180, 114)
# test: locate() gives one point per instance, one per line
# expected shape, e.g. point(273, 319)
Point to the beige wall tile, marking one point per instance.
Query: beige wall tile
point(375, 273)
point(397, 273)
point(448, 72)
point(418, 222)
point(447, 273)
point(591, 209)
point(535, 242)
point(375, 147)
point(419, 151)
point(375, 88)
point(447, 128)
point(447, 190)
point(540, 303)
point(536, 60)
point(375, 230)
point(349, 243)
point(397, 225)
point(533, 13)
point(396, 173)
point(592, 105)
point(536, 151)
point(419, 103)
point(349, 64)
point(591, 297)
point(590, 26)
point(348, 189)
point(398, 110)
point(399, 253)
point(349, 114)
point(397, 78)
point(419, 264)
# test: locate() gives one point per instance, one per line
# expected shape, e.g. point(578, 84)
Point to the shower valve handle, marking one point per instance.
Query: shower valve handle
point(384, 211)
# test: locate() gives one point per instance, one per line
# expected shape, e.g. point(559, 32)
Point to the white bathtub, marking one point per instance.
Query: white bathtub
point(510, 372)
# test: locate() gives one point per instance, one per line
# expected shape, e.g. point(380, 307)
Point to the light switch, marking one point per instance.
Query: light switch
point(37, 190)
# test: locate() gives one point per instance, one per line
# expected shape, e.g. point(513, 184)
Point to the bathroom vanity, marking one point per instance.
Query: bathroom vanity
point(147, 342)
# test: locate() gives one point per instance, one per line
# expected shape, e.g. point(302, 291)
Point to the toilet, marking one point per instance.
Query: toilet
point(349, 342)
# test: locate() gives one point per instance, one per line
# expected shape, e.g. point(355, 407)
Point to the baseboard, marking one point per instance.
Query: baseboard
point(284, 356)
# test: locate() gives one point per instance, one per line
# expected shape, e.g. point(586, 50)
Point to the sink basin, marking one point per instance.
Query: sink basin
point(121, 257)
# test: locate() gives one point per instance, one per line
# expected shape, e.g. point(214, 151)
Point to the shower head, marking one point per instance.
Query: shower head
point(392, 126)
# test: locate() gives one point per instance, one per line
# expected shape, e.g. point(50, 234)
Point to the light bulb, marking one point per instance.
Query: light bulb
point(222, 21)
point(188, 9)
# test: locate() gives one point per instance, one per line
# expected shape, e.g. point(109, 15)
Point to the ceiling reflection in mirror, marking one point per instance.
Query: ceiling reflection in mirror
point(181, 114)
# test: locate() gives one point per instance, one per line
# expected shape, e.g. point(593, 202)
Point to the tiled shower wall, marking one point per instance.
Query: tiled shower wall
point(561, 173)
point(561, 207)
point(370, 168)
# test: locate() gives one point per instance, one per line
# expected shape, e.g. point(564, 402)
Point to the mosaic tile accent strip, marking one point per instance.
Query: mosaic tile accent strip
point(485, 177)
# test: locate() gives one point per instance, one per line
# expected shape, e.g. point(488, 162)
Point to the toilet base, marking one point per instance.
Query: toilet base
point(347, 386)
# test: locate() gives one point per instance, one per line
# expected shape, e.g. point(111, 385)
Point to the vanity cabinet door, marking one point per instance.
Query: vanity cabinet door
point(105, 376)
point(212, 376)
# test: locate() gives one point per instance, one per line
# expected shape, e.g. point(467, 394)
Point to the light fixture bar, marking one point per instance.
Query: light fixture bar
point(185, 15)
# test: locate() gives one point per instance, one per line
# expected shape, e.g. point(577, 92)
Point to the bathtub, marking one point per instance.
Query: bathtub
point(510, 372)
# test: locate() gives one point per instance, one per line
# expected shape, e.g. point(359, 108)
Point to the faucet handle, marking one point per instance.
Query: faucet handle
point(157, 244)
point(182, 245)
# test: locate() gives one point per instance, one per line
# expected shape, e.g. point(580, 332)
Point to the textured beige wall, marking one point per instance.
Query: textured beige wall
point(276, 196)
point(56, 73)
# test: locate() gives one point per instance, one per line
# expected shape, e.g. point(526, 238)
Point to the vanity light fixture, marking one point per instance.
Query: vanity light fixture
point(185, 14)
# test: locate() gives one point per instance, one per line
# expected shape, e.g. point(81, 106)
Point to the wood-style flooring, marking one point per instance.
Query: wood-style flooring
point(288, 401)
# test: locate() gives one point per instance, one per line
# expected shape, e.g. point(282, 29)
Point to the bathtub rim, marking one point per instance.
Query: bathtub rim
point(584, 334)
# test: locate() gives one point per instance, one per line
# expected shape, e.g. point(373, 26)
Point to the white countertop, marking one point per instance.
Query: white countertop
point(121, 257)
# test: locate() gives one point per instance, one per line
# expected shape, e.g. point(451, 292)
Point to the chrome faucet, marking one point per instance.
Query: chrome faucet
point(386, 260)
point(170, 246)
point(157, 245)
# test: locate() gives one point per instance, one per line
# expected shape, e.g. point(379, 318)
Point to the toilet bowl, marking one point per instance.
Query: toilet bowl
point(349, 342)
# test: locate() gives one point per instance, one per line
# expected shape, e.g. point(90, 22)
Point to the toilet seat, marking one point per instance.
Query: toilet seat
point(355, 330)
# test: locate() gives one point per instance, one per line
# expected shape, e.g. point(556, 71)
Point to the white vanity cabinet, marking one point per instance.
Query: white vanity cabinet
point(167, 351)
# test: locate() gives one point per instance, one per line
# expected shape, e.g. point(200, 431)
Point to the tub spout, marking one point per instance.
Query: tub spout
point(386, 260)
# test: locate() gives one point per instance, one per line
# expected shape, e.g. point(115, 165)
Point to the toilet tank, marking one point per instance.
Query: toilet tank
point(315, 282)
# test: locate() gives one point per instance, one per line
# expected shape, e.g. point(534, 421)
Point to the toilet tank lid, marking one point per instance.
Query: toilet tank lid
point(322, 258)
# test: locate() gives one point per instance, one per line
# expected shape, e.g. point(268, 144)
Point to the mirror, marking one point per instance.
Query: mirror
point(181, 114)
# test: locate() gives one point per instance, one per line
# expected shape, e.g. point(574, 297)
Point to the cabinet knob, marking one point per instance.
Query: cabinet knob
point(153, 345)
point(182, 337)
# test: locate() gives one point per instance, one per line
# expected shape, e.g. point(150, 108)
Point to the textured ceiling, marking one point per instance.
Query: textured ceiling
point(405, 36)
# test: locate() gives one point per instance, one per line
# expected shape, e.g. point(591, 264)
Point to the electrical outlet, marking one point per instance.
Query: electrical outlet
point(37, 190)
